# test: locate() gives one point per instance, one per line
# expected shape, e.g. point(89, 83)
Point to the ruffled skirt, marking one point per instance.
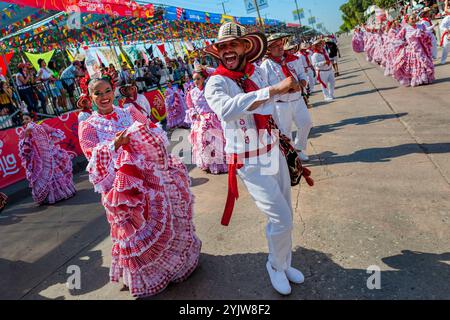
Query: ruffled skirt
point(208, 144)
point(150, 210)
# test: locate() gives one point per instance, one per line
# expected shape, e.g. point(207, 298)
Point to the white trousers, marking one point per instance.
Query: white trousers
point(271, 192)
point(311, 79)
point(434, 49)
point(297, 111)
point(445, 50)
point(328, 79)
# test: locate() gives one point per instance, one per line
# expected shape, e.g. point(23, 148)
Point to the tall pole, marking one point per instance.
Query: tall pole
point(299, 19)
point(255, 2)
point(298, 13)
point(223, 7)
point(310, 15)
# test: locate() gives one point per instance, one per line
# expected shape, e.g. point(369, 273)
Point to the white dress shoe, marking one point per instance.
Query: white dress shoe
point(303, 156)
point(279, 280)
point(294, 275)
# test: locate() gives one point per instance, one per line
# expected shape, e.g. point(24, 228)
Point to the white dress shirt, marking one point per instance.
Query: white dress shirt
point(231, 104)
point(274, 73)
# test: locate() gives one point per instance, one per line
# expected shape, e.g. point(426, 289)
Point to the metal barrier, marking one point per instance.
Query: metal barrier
point(45, 99)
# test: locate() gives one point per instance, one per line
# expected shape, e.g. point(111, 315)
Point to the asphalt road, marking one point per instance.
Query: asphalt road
point(381, 161)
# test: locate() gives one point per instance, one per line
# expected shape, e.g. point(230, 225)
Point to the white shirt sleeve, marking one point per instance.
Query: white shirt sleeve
point(300, 70)
point(227, 107)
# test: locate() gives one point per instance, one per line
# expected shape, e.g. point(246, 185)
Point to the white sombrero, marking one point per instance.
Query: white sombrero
point(233, 31)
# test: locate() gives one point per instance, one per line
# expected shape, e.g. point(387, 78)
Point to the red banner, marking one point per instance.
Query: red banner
point(156, 99)
point(11, 170)
point(120, 8)
point(5, 59)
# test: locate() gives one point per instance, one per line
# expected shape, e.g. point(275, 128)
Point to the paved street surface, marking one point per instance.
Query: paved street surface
point(381, 162)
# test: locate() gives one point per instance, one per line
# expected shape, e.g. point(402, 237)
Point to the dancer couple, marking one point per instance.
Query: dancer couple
point(145, 190)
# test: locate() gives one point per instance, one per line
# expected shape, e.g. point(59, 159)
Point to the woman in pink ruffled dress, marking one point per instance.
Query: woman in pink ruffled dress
point(391, 48)
point(378, 47)
point(48, 167)
point(413, 65)
point(175, 106)
point(145, 192)
point(206, 135)
point(358, 40)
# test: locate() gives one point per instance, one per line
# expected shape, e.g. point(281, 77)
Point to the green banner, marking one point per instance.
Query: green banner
point(34, 57)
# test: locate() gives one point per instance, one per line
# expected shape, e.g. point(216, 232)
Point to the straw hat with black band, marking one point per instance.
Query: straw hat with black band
point(232, 31)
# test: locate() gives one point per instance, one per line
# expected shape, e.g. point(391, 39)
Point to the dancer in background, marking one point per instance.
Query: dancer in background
point(48, 167)
point(135, 99)
point(305, 57)
point(291, 107)
point(145, 192)
point(445, 33)
point(413, 65)
point(206, 137)
point(358, 40)
point(428, 26)
point(324, 70)
point(175, 106)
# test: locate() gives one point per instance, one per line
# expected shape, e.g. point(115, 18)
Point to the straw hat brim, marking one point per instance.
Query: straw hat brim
point(315, 43)
point(303, 46)
point(123, 90)
point(257, 49)
point(274, 37)
point(295, 47)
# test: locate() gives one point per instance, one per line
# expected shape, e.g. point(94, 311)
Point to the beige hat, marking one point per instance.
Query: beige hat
point(232, 31)
point(291, 45)
point(276, 36)
point(304, 46)
point(318, 41)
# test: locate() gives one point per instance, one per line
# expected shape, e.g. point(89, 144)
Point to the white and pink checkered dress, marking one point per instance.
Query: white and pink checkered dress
point(48, 167)
point(149, 206)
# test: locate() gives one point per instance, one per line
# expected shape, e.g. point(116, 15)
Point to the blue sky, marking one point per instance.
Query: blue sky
point(326, 11)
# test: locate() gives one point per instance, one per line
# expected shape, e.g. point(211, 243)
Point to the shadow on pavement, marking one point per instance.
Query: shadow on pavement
point(349, 85)
point(81, 197)
point(364, 92)
point(195, 182)
point(346, 77)
point(379, 154)
point(442, 80)
point(244, 276)
point(359, 121)
point(418, 275)
point(20, 279)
